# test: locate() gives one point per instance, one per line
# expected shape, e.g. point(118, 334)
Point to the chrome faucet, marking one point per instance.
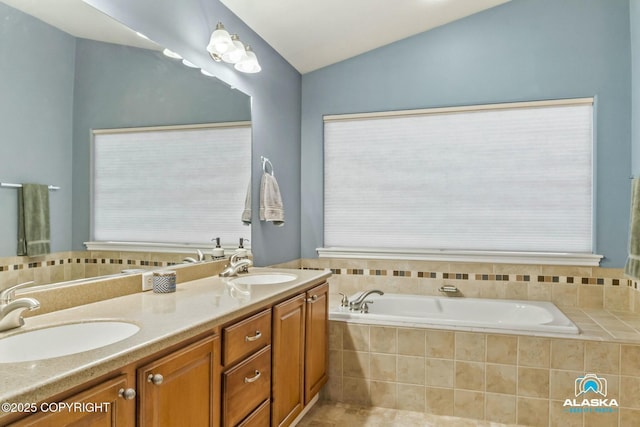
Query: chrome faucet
point(11, 309)
point(193, 260)
point(360, 303)
point(238, 263)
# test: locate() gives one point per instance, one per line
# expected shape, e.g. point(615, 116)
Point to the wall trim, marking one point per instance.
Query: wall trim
point(500, 257)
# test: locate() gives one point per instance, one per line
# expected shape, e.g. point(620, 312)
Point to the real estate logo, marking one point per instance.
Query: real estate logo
point(590, 396)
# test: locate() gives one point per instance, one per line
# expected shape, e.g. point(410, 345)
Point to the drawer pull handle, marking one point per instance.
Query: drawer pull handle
point(313, 298)
point(127, 394)
point(252, 379)
point(253, 338)
point(155, 378)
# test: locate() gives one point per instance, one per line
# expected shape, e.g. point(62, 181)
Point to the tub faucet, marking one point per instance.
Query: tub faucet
point(357, 304)
point(237, 265)
point(11, 309)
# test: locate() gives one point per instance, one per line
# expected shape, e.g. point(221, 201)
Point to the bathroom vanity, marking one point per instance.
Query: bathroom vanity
point(213, 353)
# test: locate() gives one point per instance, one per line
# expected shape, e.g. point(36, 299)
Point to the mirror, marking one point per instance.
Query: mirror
point(55, 87)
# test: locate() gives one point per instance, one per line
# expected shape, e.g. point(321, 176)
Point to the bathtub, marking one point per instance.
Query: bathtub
point(472, 314)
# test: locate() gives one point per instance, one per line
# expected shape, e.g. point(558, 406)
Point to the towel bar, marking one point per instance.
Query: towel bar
point(9, 185)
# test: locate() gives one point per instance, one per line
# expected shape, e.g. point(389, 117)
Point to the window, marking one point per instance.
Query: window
point(503, 178)
point(178, 185)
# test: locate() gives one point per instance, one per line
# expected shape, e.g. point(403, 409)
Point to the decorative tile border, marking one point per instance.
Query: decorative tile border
point(604, 281)
point(50, 263)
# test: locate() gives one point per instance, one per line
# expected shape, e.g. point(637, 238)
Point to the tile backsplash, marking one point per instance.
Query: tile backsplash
point(66, 266)
point(566, 286)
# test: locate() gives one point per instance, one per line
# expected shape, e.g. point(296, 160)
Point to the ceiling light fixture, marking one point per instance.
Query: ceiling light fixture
point(224, 47)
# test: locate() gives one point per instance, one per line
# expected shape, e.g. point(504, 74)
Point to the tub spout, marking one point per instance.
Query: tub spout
point(356, 305)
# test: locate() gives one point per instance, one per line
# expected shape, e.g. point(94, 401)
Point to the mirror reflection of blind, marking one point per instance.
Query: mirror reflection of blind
point(183, 185)
point(509, 179)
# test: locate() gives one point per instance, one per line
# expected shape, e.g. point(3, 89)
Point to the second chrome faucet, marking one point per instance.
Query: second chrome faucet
point(238, 263)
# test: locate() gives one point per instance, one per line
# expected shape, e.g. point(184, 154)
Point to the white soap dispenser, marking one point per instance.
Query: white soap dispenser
point(217, 252)
point(242, 252)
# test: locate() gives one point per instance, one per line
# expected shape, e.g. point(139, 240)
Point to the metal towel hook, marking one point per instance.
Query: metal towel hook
point(266, 161)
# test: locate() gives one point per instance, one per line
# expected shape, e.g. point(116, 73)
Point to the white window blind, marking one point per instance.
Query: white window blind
point(510, 177)
point(171, 185)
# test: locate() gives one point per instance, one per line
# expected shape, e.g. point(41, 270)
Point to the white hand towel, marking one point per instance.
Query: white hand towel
point(246, 213)
point(271, 208)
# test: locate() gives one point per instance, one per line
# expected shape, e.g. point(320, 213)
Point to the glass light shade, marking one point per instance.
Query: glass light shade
point(220, 40)
point(235, 55)
point(248, 64)
point(171, 54)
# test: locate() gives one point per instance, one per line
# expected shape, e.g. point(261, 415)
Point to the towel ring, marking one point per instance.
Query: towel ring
point(264, 165)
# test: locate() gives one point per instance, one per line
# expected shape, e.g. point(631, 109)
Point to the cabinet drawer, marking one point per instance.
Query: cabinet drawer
point(246, 386)
point(245, 337)
point(259, 418)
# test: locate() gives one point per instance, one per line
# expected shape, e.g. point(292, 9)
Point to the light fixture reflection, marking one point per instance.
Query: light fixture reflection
point(171, 54)
point(189, 64)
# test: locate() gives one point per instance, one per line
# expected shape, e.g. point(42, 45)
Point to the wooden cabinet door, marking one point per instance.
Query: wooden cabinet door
point(287, 381)
point(182, 388)
point(98, 406)
point(316, 340)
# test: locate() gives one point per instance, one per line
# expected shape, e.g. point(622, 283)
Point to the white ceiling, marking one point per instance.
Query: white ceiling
point(315, 33)
point(309, 34)
point(81, 20)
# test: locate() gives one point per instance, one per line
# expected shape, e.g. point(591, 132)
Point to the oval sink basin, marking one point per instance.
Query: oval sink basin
point(62, 340)
point(264, 279)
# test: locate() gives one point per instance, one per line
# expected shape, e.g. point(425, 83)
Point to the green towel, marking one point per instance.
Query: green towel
point(34, 234)
point(632, 268)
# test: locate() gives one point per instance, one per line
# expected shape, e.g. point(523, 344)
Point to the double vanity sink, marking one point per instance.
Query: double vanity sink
point(62, 340)
point(71, 338)
point(58, 350)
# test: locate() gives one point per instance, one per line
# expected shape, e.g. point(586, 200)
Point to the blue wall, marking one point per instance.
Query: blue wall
point(36, 109)
point(634, 12)
point(522, 50)
point(185, 27)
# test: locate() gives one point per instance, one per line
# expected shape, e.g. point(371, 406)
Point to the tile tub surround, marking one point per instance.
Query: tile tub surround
point(491, 377)
point(66, 266)
point(565, 286)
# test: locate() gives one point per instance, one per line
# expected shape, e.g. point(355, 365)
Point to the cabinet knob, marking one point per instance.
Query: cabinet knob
point(252, 379)
point(127, 394)
point(257, 335)
point(155, 379)
point(313, 298)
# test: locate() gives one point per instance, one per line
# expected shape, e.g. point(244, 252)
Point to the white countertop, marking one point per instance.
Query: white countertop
point(164, 320)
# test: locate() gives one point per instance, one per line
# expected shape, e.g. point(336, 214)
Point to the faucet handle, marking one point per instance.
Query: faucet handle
point(365, 306)
point(7, 295)
point(344, 302)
